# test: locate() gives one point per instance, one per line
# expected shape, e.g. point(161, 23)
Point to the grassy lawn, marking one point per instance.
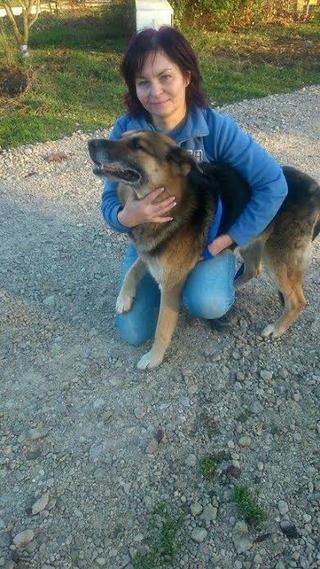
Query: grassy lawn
point(74, 81)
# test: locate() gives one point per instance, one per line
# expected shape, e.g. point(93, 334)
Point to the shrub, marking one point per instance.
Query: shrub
point(225, 14)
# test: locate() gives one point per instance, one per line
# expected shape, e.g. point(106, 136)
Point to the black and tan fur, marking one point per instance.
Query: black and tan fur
point(142, 161)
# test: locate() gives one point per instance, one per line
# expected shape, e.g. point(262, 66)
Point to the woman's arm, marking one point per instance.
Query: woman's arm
point(230, 145)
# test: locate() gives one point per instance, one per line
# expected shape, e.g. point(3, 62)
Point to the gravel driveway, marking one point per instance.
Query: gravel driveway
point(89, 445)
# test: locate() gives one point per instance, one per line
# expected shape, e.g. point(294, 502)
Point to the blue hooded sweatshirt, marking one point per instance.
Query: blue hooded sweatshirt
point(213, 137)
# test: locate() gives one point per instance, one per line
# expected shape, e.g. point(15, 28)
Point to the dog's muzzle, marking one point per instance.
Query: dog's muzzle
point(106, 167)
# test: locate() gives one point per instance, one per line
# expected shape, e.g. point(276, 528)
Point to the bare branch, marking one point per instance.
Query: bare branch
point(12, 20)
point(36, 14)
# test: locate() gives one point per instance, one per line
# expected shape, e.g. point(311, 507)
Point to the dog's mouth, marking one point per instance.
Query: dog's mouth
point(117, 171)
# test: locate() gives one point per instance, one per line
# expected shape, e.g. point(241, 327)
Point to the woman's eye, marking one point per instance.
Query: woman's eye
point(166, 77)
point(142, 83)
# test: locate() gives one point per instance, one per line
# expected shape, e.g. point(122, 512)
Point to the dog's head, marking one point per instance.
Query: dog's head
point(142, 160)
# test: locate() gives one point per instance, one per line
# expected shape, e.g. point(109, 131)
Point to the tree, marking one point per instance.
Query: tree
point(30, 12)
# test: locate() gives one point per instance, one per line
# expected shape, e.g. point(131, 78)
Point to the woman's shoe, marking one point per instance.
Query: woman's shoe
point(223, 323)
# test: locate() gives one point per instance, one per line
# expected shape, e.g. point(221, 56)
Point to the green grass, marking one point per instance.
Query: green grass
point(75, 82)
point(229, 83)
point(258, 62)
point(244, 415)
point(248, 508)
point(162, 539)
point(208, 467)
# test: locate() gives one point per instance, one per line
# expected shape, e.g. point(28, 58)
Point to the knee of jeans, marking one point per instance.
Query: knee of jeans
point(208, 308)
point(131, 333)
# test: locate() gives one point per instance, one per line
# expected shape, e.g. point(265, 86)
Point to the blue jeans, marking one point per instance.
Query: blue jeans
point(208, 293)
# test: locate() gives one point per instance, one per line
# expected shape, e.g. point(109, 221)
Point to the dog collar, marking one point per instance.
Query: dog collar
point(213, 229)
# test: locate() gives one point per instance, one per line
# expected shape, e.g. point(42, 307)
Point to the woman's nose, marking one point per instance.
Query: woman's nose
point(155, 89)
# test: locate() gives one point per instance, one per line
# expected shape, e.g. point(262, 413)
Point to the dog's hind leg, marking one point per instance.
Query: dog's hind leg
point(288, 274)
point(168, 315)
point(294, 302)
point(251, 255)
point(129, 286)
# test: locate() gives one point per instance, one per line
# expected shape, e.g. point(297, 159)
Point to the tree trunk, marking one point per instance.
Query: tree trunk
point(11, 18)
point(28, 19)
point(24, 50)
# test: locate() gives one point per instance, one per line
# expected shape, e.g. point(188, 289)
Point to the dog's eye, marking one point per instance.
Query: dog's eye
point(134, 143)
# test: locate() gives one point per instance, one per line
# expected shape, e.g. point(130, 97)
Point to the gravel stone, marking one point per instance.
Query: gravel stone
point(196, 509)
point(265, 374)
point(241, 537)
point(40, 504)
point(23, 538)
point(283, 507)
point(101, 561)
point(199, 534)
point(209, 513)
point(289, 529)
point(191, 460)
point(245, 441)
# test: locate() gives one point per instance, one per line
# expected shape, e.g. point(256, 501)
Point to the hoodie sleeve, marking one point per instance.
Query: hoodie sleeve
point(264, 175)
point(110, 203)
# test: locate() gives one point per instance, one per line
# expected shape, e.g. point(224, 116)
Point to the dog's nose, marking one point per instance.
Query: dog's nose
point(96, 146)
point(93, 144)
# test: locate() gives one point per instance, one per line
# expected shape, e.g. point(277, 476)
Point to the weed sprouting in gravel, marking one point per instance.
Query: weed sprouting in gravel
point(208, 467)
point(162, 539)
point(244, 415)
point(248, 507)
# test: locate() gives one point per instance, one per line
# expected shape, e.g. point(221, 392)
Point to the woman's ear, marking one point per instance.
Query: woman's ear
point(188, 78)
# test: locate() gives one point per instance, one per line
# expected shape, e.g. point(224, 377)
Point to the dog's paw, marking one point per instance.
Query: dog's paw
point(148, 361)
point(124, 303)
point(271, 331)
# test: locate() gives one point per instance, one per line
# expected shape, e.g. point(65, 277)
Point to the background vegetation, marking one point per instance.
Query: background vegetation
point(71, 80)
point(223, 14)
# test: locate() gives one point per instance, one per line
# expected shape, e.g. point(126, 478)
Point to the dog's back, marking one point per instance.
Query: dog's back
point(303, 198)
point(302, 201)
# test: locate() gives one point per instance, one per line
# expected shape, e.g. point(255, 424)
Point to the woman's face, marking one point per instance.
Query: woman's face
point(161, 89)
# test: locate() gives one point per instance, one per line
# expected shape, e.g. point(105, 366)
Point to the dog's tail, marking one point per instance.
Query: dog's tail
point(316, 229)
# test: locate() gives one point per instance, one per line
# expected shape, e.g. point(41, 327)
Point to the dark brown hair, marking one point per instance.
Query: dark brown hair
point(176, 48)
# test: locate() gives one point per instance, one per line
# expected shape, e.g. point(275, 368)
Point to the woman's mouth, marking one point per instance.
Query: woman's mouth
point(159, 102)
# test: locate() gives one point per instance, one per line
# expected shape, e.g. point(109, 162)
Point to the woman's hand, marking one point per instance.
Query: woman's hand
point(146, 210)
point(219, 244)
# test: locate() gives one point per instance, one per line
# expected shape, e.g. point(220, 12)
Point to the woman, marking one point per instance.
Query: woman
point(164, 94)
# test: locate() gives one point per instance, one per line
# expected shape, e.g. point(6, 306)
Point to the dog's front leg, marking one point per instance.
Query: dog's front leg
point(168, 315)
point(129, 285)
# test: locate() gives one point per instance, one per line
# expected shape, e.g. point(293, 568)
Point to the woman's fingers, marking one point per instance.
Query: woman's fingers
point(165, 205)
point(157, 210)
point(161, 219)
point(150, 199)
point(147, 210)
point(153, 195)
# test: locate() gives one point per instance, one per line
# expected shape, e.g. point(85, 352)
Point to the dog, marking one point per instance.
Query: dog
point(142, 161)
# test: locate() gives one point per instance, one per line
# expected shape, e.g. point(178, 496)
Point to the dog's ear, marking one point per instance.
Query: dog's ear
point(182, 160)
